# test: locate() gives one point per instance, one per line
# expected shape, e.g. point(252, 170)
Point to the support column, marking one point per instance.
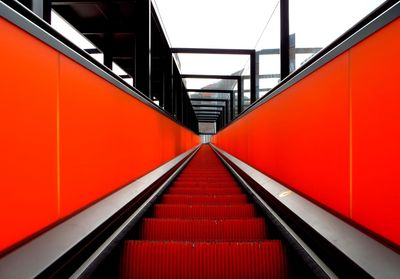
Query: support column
point(108, 45)
point(143, 47)
point(253, 87)
point(42, 8)
point(285, 68)
point(232, 100)
point(240, 95)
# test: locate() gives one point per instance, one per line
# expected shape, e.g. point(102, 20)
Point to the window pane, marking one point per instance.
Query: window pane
point(314, 24)
point(268, 54)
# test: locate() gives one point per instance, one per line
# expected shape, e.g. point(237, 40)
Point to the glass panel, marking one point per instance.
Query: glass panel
point(213, 24)
point(206, 128)
point(268, 54)
point(207, 95)
point(208, 108)
point(208, 103)
point(315, 23)
point(214, 84)
point(211, 64)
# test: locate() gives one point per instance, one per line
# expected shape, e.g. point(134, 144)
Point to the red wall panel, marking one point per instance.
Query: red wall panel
point(376, 134)
point(300, 137)
point(334, 136)
point(68, 137)
point(28, 98)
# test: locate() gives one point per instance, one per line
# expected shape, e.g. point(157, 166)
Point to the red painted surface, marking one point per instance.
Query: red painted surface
point(301, 136)
point(375, 91)
point(69, 137)
point(28, 196)
point(333, 136)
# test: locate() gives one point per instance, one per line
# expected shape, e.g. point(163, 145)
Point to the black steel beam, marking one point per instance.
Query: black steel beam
point(209, 106)
point(210, 76)
point(240, 96)
point(285, 47)
point(208, 100)
point(143, 46)
point(213, 51)
point(205, 113)
point(253, 75)
point(210, 90)
point(42, 8)
point(108, 47)
point(207, 117)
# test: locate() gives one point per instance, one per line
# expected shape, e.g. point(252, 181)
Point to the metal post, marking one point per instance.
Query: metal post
point(257, 75)
point(231, 104)
point(240, 95)
point(42, 8)
point(107, 50)
point(285, 68)
point(143, 46)
point(253, 88)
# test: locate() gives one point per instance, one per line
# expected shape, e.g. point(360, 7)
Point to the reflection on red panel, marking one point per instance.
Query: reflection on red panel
point(302, 136)
point(69, 137)
point(376, 133)
point(28, 193)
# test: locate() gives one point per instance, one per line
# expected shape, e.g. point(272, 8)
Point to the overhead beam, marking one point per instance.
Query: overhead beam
point(211, 76)
point(210, 90)
point(213, 51)
point(209, 106)
point(209, 100)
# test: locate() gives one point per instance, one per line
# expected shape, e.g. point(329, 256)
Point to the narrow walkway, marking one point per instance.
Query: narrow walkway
point(204, 227)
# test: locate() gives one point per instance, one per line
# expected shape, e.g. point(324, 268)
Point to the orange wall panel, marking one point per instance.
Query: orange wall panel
point(28, 98)
point(300, 137)
point(69, 137)
point(108, 138)
point(376, 134)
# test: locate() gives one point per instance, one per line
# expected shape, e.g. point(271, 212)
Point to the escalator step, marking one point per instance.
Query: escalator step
point(148, 259)
point(205, 191)
point(201, 211)
point(192, 184)
point(252, 229)
point(204, 199)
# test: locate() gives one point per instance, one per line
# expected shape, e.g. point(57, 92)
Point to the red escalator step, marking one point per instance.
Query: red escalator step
point(252, 229)
point(204, 178)
point(201, 211)
point(204, 184)
point(204, 190)
point(204, 199)
point(147, 259)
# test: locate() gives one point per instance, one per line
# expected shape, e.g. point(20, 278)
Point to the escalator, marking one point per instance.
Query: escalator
point(204, 226)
